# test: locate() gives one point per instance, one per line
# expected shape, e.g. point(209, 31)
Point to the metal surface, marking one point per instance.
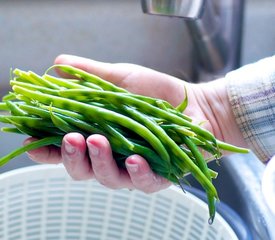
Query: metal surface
point(214, 26)
point(246, 174)
point(189, 9)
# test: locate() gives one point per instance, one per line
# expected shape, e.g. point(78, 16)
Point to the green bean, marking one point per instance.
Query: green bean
point(181, 162)
point(61, 124)
point(136, 148)
point(32, 129)
point(8, 97)
point(33, 145)
point(43, 111)
point(48, 107)
point(203, 166)
point(231, 148)
point(28, 131)
point(61, 121)
point(71, 117)
point(207, 146)
point(96, 113)
point(34, 87)
point(153, 101)
point(22, 76)
point(158, 131)
point(84, 95)
point(33, 78)
point(89, 85)
point(118, 142)
point(182, 106)
point(4, 107)
point(180, 129)
point(155, 128)
point(11, 130)
point(32, 122)
point(35, 111)
point(80, 74)
point(14, 109)
point(42, 81)
point(172, 146)
point(4, 119)
point(63, 83)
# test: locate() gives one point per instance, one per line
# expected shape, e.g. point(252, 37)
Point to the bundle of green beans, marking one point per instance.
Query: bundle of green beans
point(47, 107)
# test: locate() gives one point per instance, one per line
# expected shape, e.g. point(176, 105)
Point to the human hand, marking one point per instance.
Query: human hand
point(92, 158)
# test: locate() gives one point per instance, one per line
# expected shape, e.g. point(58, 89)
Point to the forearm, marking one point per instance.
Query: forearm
point(251, 92)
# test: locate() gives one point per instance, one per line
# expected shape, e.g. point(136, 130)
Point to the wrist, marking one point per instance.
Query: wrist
point(221, 116)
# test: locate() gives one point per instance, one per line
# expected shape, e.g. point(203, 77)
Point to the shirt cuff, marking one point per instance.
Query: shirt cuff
point(251, 91)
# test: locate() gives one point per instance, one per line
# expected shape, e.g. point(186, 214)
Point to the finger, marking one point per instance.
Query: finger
point(143, 178)
point(104, 166)
point(74, 157)
point(49, 154)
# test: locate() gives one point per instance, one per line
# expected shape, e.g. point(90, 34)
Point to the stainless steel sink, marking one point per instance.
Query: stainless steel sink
point(33, 33)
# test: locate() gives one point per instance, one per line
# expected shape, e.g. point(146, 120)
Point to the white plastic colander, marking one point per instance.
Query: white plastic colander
point(42, 202)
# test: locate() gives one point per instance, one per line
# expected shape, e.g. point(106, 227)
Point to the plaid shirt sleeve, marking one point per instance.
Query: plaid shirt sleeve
point(251, 91)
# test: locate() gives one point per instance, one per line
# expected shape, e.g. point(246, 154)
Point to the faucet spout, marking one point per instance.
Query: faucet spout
point(186, 9)
point(214, 26)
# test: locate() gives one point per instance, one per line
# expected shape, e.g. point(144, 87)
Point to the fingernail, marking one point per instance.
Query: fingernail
point(69, 148)
point(132, 167)
point(93, 150)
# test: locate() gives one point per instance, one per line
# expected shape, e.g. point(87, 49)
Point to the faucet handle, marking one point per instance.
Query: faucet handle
point(189, 9)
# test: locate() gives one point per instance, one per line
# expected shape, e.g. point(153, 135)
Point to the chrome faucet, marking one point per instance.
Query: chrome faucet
point(215, 28)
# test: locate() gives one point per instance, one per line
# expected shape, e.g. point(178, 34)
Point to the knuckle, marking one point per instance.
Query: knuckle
point(82, 176)
point(148, 190)
point(75, 175)
point(149, 183)
point(106, 182)
point(77, 178)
